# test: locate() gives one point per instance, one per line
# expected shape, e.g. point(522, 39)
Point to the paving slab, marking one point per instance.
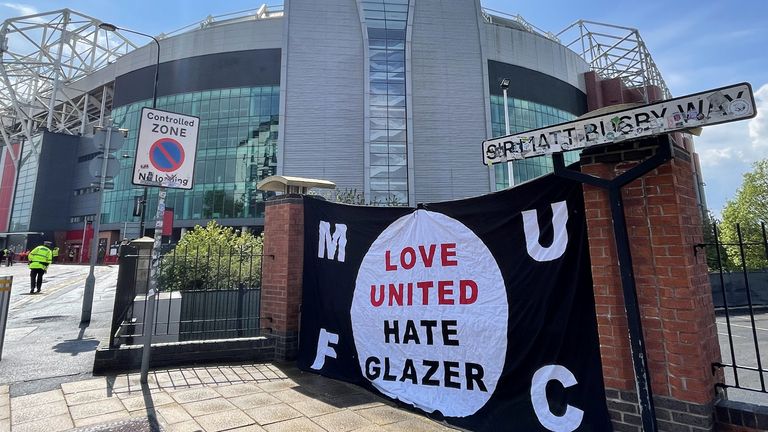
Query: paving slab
point(32, 413)
point(103, 418)
point(36, 399)
point(224, 420)
point(138, 402)
point(48, 424)
point(87, 396)
point(384, 415)
point(254, 400)
point(235, 390)
point(342, 421)
point(314, 408)
point(96, 408)
point(194, 394)
point(416, 425)
point(173, 413)
point(273, 413)
point(187, 426)
point(208, 406)
point(292, 396)
point(83, 386)
point(301, 424)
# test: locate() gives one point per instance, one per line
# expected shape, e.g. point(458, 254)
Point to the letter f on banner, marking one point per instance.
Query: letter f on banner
point(324, 348)
point(560, 240)
point(328, 244)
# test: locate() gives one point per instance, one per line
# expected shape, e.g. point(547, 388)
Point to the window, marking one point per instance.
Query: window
point(237, 147)
point(386, 22)
point(525, 115)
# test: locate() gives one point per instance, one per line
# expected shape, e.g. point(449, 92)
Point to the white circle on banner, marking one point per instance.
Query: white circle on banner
point(429, 276)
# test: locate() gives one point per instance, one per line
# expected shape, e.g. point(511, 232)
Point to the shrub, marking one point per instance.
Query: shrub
point(214, 257)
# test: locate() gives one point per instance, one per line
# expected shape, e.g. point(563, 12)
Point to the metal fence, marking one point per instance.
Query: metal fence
point(204, 293)
point(739, 280)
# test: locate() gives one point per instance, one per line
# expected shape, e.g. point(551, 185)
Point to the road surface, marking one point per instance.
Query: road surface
point(45, 344)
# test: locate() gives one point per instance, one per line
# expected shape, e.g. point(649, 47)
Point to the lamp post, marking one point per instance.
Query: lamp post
point(149, 312)
point(112, 27)
point(504, 86)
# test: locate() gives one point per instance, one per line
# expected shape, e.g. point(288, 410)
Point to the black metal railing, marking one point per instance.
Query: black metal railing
point(738, 264)
point(204, 293)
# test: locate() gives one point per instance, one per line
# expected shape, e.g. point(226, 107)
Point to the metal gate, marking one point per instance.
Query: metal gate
point(204, 293)
point(738, 262)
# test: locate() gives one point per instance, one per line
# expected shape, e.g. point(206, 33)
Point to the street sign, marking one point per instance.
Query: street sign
point(723, 105)
point(113, 166)
point(116, 141)
point(165, 151)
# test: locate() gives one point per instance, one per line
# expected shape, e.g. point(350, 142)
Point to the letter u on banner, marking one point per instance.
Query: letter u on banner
point(532, 232)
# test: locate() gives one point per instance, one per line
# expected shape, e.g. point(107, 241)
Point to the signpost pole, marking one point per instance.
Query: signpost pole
point(624, 254)
point(90, 281)
point(151, 299)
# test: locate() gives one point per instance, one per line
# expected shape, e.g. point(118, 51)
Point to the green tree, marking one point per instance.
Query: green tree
point(748, 210)
point(214, 257)
point(715, 258)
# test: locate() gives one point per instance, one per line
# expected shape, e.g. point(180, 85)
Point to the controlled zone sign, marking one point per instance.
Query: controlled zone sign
point(722, 105)
point(165, 152)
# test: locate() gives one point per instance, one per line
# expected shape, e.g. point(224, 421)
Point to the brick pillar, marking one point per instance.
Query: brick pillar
point(674, 296)
point(282, 272)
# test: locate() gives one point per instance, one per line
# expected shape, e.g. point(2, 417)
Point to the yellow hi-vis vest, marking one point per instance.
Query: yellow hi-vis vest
point(40, 257)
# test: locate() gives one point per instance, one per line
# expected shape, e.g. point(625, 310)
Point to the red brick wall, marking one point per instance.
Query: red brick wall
point(282, 268)
point(663, 223)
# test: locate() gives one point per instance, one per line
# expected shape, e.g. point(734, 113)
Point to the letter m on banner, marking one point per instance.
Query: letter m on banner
point(330, 243)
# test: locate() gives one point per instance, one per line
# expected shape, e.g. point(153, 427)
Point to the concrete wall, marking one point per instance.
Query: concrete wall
point(534, 52)
point(448, 104)
point(322, 93)
point(247, 35)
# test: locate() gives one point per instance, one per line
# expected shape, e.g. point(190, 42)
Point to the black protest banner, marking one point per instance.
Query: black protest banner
point(478, 312)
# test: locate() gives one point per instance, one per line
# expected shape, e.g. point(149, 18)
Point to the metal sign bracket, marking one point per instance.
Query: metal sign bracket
point(637, 342)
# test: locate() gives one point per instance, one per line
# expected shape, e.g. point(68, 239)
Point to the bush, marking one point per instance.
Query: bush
point(214, 257)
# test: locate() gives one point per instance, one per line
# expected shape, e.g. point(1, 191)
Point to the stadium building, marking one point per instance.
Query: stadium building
point(389, 99)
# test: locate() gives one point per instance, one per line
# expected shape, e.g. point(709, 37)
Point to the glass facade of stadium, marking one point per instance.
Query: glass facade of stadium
point(389, 99)
point(236, 148)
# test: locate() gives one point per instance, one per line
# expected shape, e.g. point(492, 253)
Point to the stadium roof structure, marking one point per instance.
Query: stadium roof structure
point(42, 56)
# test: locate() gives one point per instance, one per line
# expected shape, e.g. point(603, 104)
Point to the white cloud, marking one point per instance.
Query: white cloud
point(728, 151)
point(22, 8)
point(758, 126)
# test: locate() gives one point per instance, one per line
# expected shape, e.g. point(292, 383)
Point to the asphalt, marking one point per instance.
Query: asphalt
point(745, 353)
point(45, 345)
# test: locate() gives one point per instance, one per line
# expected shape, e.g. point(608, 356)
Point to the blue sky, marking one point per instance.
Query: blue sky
point(697, 45)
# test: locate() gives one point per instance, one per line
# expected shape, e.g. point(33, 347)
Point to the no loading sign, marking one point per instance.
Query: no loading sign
point(165, 151)
point(166, 155)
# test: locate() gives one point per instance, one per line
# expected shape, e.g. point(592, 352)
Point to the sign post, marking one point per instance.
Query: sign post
point(165, 158)
point(723, 105)
point(5, 302)
point(651, 122)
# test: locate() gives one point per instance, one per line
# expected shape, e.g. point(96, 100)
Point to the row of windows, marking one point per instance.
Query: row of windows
point(386, 21)
point(82, 218)
point(87, 157)
point(25, 187)
point(236, 148)
point(85, 190)
point(525, 115)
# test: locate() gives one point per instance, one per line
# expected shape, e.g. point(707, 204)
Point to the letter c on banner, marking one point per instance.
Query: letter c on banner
point(572, 418)
point(560, 241)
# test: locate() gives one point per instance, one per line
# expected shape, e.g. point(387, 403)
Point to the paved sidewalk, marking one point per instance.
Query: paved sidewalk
point(253, 397)
point(45, 345)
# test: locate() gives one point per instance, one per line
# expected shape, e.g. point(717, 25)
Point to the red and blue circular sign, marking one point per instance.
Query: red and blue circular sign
point(166, 155)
